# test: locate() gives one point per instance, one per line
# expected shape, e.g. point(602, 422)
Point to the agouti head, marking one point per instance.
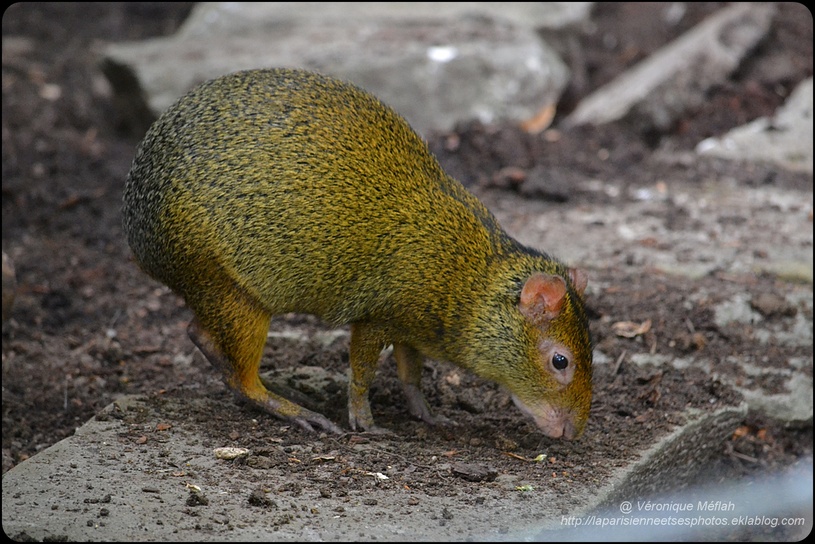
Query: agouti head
point(556, 319)
point(539, 347)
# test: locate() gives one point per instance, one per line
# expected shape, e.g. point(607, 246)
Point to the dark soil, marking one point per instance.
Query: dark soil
point(88, 326)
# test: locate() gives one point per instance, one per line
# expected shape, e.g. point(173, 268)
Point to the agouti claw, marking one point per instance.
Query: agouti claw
point(439, 421)
point(366, 424)
point(308, 419)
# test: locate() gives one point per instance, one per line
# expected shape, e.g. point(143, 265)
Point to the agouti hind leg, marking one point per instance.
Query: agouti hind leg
point(409, 364)
point(232, 337)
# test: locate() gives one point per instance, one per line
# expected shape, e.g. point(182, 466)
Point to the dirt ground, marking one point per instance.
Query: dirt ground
point(88, 326)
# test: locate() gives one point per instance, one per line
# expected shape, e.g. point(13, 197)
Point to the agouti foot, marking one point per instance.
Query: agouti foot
point(365, 425)
point(308, 419)
point(418, 407)
point(376, 429)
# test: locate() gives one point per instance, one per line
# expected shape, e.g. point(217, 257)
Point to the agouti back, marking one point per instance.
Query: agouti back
point(272, 191)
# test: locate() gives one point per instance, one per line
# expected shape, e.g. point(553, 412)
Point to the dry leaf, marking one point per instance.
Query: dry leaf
point(629, 329)
point(743, 430)
point(541, 120)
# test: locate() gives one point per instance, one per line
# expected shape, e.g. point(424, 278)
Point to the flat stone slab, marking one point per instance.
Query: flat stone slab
point(100, 484)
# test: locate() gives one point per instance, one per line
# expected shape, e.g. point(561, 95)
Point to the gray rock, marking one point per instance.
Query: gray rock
point(675, 78)
point(147, 497)
point(676, 458)
point(785, 139)
point(432, 71)
point(793, 406)
point(218, 17)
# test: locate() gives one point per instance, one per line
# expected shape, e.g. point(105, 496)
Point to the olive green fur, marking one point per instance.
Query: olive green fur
point(294, 192)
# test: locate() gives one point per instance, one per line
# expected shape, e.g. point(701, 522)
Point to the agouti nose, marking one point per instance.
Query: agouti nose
point(553, 422)
point(562, 428)
point(569, 431)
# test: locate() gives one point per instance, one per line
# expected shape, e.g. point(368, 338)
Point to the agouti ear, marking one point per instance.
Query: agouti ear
point(542, 297)
point(579, 280)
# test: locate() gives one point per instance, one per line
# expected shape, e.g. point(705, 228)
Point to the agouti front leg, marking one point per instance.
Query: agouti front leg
point(409, 364)
point(232, 338)
point(367, 342)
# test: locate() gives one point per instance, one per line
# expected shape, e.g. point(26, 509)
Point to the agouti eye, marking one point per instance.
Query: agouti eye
point(560, 362)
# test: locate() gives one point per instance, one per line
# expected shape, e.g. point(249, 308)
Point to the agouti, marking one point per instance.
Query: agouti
point(272, 191)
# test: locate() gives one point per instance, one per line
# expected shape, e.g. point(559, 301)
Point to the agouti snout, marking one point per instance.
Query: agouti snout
point(272, 191)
